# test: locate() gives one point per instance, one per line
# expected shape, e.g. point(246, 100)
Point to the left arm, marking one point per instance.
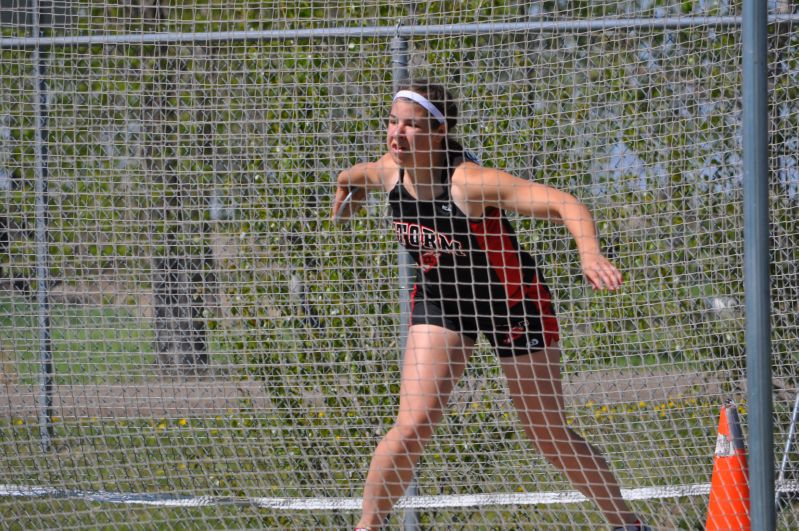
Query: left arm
point(481, 188)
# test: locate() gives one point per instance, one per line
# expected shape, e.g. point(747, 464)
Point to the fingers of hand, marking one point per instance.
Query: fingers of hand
point(603, 275)
point(341, 194)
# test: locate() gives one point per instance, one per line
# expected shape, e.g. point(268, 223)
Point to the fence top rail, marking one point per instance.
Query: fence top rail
point(545, 26)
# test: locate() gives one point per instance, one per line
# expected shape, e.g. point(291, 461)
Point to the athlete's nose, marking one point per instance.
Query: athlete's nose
point(397, 133)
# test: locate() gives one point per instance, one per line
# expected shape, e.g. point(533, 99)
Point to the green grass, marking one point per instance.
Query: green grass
point(88, 342)
point(307, 452)
point(263, 454)
point(24, 514)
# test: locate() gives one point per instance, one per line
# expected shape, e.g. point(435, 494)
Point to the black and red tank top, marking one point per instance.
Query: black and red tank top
point(465, 263)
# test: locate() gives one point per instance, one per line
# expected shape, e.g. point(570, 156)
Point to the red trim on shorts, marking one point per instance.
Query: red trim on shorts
point(413, 303)
point(539, 294)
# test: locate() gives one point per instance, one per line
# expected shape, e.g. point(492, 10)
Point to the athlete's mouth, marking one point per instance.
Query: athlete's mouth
point(397, 147)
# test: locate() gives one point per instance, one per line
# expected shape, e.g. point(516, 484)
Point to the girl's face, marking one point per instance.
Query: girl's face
point(412, 135)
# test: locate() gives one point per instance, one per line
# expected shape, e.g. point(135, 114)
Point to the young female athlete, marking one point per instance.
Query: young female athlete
point(473, 278)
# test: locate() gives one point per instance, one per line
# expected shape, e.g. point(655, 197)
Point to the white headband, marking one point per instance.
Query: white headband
point(424, 102)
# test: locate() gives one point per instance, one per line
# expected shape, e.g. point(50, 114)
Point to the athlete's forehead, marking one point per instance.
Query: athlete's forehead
point(406, 109)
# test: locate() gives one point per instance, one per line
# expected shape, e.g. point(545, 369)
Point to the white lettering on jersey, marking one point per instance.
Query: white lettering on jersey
point(415, 236)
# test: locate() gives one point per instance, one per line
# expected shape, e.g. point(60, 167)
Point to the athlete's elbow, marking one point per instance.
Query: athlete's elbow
point(344, 177)
point(354, 177)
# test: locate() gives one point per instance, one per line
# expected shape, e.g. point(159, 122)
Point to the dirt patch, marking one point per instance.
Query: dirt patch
point(199, 396)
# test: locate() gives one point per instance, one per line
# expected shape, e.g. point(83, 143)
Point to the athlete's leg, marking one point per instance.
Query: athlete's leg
point(537, 392)
point(435, 359)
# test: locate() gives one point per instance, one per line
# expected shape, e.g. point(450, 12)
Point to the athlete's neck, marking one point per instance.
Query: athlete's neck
point(425, 183)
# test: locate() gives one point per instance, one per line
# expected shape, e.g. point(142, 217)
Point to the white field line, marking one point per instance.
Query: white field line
point(354, 504)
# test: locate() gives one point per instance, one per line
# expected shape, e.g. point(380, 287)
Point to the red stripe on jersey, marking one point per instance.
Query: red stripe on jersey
point(494, 240)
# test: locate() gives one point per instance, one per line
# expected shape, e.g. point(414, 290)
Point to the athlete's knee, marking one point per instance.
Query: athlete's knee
point(412, 434)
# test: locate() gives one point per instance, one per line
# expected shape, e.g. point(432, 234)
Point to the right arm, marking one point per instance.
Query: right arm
point(362, 178)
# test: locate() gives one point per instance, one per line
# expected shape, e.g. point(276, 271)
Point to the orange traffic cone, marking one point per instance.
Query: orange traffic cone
point(729, 488)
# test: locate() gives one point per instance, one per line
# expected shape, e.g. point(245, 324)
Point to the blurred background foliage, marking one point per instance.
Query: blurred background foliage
point(190, 181)
point(213, 162)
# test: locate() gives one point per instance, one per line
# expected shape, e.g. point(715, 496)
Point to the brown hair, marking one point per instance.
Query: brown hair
point(438, 96)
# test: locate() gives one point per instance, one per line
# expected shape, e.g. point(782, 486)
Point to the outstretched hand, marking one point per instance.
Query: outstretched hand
point(600, 272)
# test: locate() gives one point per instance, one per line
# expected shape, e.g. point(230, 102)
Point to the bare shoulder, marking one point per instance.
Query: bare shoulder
point(472, 188)
point(473, 181)
point(476, 188)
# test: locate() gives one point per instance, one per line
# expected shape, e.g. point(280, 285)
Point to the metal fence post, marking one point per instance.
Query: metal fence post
point(42, 250)
point(399, 60)
point(756, 264)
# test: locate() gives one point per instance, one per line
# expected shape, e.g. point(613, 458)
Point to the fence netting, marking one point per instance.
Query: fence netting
point(197, 343)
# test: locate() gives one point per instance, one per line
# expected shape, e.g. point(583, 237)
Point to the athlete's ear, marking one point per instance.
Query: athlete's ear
point(441, 131)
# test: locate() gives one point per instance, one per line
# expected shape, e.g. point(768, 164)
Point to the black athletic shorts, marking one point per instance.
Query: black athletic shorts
point(520, 331)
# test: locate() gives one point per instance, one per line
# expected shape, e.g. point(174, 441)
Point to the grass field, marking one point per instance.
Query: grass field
point(316, 450)
point(88, 342)
point(240, 457)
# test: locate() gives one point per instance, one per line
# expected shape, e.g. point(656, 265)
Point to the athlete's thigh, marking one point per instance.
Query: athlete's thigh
point(534, 381)
point(434, 361)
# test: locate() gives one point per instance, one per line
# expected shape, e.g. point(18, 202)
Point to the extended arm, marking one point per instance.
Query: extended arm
point(361, 178)
point(485, 187)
